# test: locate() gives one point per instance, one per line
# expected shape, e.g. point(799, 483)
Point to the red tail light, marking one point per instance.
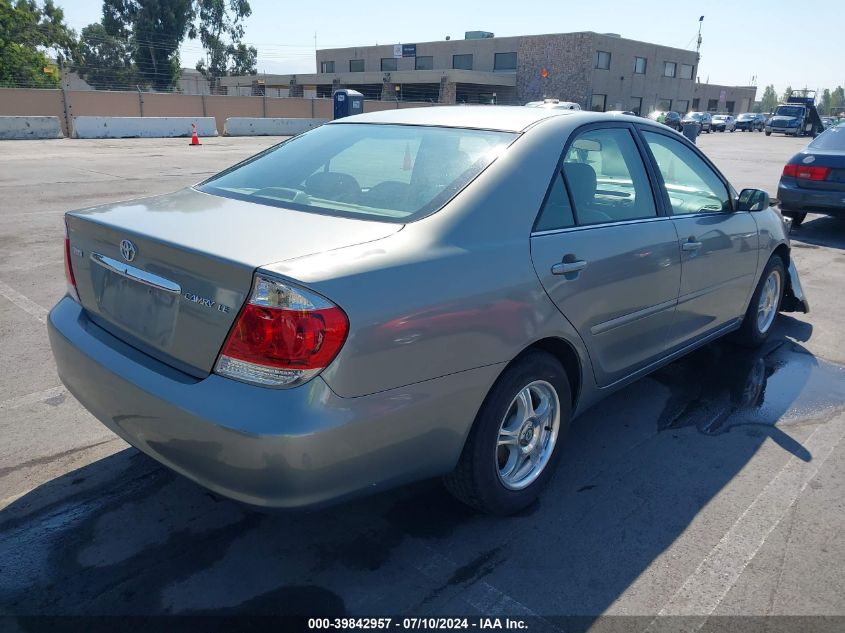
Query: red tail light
point(71, 280)
point(283, 336)
point(806, 172)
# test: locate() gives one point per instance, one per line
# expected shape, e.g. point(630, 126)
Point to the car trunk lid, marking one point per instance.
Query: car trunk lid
point(169, 274)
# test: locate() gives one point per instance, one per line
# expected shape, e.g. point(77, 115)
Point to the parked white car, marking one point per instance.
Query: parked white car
point(554, 104)
point(723, 123)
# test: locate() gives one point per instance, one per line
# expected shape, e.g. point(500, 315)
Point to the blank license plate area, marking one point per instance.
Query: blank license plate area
point(142, 310)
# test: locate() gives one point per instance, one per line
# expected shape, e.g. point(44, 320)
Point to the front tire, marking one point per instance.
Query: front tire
point(764, 305)
point(514, 445)
point(797, 218)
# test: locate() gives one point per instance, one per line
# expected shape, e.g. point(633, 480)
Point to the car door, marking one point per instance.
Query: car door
point(719, 246)
point(605, 255)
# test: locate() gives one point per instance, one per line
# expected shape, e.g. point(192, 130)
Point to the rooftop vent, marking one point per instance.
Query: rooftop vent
point(478, 35)
point(612, 34)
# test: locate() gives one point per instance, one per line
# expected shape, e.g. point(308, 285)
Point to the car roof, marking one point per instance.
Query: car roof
point(484, 117)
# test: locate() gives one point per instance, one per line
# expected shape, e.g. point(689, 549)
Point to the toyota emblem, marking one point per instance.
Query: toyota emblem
point(127, 249)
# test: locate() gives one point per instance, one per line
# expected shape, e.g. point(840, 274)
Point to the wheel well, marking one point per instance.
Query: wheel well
point(568, 357)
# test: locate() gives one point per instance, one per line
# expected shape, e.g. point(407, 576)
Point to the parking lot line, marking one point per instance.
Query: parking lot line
point(717, 573)
point(32, 398)
point(24, 303)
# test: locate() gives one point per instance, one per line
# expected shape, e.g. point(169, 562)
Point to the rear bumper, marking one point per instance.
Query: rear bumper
point(267, 447)
point(800, 200)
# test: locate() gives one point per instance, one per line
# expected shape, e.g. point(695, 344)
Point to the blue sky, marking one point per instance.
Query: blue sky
point(740, 39)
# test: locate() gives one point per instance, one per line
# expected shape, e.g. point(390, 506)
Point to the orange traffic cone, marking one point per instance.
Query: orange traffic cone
point(195, 140)
point(406, 164)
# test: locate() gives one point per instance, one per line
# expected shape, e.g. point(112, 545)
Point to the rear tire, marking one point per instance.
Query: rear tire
point(506, 430)
point(764, 305)
point(768, 133)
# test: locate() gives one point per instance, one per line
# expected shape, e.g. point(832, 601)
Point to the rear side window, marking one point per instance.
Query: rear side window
point(606, 178)
point(556, 212)
point(832, 138)
point(692, 186)
point(394, 173)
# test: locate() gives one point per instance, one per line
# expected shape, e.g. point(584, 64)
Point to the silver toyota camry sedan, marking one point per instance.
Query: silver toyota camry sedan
point(410, 294)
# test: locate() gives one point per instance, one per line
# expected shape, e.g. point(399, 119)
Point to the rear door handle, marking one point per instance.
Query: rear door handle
point(690, 245)
point(564, 268)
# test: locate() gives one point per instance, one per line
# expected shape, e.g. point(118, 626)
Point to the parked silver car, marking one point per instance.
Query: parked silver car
point(408, 294)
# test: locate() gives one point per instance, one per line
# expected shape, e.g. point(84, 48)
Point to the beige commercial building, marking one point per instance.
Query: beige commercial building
point(597, 71)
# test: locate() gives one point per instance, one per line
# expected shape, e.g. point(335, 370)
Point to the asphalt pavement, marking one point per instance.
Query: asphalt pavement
point(713, 487)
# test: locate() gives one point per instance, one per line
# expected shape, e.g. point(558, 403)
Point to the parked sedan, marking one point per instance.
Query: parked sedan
point(723, 123)
point(702, 118)
point(408, 294)
point(750, 121)
point(670, 119)
point(813, 181)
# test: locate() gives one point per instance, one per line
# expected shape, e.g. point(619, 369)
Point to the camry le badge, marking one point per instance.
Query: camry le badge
point(128, 250)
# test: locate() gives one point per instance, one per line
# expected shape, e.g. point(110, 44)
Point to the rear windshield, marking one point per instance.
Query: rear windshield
point(392, 173)
point(831, 138)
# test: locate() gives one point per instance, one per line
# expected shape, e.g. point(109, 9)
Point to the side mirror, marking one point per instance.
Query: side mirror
point(752, 200)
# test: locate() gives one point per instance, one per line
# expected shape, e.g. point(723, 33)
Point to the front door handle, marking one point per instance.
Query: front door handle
point(564, 268)
point(690, 245)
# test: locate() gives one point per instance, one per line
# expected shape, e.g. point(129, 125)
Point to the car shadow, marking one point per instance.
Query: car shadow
point(819, 230)
point(125, 536)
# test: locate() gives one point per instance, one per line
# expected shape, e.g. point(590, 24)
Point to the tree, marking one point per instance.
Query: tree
point(770, 99)
point(786, 94)
point(221, 30)
point(154, 30)
point(837, 100)
point(27, 32)
point(824, 102)
point(105, 61)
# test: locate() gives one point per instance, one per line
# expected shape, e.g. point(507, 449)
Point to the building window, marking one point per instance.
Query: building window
point(729, 106)
point(356, 65)
point(686, 71)
point(669, 69)
point(602, 60)
point(664, 105)
point(388, 63)
point(637, 105)
point(462, 62)
point(712, 105)
point(640, 64)
point(326, 67)
point(598, 103)
point(695, 103)
point(424, 63)
point(682, 106)
point(504, 61)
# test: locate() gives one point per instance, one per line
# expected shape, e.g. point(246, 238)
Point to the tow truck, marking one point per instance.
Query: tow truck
point(797, 117)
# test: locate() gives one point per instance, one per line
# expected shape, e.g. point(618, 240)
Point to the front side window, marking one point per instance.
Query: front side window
point(424, 62)
point(640, 64)
point(462, 62)
point(598, 103)
point(326, 67)
point(686, 71)
point(669, 69)
point(392, 173)
point(356, 65)
point(388, 63)
point(602, 60)
point(504, 61)
point(691, 184)
point(606, 178)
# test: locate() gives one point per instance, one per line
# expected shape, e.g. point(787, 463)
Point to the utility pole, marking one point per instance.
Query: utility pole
point(698, 42)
